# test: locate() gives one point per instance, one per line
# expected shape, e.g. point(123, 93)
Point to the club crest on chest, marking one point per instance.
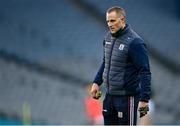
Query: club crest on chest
point(121, 46)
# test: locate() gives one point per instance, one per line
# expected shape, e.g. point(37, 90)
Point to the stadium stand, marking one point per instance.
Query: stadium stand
point(51, 100)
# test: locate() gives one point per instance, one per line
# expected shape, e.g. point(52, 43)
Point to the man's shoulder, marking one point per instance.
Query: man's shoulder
point(107, 36)
point(137, 41)
point(134, 37)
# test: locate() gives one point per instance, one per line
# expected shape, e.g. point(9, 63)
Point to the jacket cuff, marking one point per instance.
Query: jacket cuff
point(144, 99)
point(97, 82)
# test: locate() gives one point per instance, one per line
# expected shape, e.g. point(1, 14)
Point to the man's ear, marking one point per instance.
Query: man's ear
point(123, 19)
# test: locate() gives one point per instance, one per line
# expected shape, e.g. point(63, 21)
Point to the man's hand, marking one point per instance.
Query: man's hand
point(95, 90)
point(143, 108)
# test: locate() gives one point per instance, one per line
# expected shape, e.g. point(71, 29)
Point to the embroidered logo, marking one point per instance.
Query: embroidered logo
point(109, 43)
point(121, 46)
point(120, 114)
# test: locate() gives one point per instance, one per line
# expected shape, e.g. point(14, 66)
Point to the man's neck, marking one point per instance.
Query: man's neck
point(118, 32)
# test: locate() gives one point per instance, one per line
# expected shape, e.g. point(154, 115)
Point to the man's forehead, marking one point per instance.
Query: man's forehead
point(111, 15)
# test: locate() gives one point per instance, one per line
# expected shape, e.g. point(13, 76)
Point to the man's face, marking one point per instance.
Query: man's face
point(114, 22)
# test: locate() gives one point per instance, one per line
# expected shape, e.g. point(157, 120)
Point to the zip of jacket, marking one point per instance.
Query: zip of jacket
point(113, 42)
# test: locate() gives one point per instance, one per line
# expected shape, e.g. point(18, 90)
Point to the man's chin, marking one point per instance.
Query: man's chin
point(112, 32)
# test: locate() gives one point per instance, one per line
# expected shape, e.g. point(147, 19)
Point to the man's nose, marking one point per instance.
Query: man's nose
point(110, 24)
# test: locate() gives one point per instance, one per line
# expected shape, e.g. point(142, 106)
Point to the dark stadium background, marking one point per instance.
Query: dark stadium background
point(50, 51)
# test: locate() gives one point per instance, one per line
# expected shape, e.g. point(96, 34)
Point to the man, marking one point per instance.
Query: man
point(125, 72)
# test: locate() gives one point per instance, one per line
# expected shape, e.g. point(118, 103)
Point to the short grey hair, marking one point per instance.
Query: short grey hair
point(119, 11)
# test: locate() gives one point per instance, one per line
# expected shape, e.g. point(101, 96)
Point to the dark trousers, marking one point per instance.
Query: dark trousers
point(120, 110)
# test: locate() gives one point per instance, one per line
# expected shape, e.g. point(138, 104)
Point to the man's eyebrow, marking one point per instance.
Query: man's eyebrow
point(111, 20)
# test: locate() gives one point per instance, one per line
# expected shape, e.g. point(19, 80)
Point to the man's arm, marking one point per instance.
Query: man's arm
point(139, 55)
point(98, 80)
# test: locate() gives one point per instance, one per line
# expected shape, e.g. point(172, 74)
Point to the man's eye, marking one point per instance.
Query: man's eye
point(112, 21)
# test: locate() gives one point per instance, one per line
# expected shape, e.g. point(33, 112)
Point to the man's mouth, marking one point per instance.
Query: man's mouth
point(111, 29)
